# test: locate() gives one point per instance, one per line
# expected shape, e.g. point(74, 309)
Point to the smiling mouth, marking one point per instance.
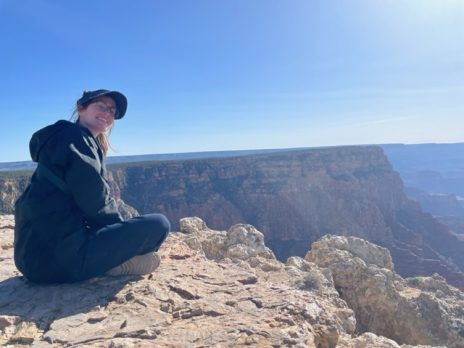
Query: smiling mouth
point(101, 119)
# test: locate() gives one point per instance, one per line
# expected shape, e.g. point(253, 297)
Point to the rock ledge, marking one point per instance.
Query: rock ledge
point(226, 289)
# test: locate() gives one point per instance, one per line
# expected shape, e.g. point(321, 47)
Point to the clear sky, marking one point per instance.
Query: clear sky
point(207, 75)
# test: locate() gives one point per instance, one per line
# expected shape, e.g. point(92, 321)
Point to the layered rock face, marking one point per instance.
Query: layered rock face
point(226, 289)
point(11, 187)
point(13, 184)
point(296, 197)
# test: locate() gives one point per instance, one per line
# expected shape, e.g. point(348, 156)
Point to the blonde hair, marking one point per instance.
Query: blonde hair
point(102, 138)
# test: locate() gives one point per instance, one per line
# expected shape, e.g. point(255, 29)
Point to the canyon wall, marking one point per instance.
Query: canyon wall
point(296, 197)
point(12, 184)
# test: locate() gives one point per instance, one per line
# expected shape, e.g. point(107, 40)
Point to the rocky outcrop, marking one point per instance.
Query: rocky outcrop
point(408, 311)
point(191, 300)
point(213, 289)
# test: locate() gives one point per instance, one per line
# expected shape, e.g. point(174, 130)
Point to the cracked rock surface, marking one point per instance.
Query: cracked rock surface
point(213, 289)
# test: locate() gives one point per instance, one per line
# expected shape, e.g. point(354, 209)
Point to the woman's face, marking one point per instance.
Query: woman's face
point(98, 116)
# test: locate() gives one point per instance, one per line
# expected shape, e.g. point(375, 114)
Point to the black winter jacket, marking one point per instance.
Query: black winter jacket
point(52, 227)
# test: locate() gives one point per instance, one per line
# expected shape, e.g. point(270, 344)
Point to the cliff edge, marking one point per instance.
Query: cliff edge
point(227, 289)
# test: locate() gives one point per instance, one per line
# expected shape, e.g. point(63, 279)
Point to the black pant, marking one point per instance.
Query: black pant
point(114, 244)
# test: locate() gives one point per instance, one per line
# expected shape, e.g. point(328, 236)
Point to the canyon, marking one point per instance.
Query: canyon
point(433, 175)
point(294, 198)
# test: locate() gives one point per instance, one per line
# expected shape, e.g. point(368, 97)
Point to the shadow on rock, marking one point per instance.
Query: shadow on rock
point(40, 305)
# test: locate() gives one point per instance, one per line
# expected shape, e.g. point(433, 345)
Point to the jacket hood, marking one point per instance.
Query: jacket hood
point(40, 138)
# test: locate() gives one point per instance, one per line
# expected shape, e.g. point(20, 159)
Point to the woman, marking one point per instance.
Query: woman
point(68, 227)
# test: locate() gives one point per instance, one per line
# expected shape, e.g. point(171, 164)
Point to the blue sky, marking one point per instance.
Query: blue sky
point(207, 75)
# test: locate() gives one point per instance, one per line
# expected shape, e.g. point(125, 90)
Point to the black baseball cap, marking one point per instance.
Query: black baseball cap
point(119, 99)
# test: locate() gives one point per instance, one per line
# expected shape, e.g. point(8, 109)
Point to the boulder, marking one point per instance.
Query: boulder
point(413, 311)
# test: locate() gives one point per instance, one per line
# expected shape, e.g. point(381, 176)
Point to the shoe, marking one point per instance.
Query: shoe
point(139, 265)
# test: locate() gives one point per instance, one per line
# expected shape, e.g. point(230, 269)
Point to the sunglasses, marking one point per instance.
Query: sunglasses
point(105, 108)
